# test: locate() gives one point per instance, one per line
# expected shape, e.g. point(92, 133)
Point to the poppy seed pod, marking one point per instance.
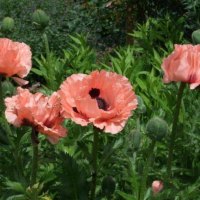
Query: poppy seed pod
point(156, 128)
point(40, 18)
point(196, 36)
point(7, 24)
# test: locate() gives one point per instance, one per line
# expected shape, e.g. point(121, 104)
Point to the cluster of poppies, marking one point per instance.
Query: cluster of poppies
point(105, 99)
point(102, 98)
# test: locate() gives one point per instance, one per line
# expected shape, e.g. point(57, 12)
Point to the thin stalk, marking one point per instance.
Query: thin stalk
point(34, 138)
point(146, 170)
point(94, 163)
point(46, 44)
point(1, 97)
point(2, 109)
point(174, 129)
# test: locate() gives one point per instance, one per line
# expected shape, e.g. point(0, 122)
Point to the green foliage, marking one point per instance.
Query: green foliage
point(123, 62)
point(73, 184)
point(79, 57)
point(51, 69)
point(156, 32)
point(192, 8)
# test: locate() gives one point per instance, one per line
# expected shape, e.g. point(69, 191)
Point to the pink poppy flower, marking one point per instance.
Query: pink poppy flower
point(105, 99)
point(15, 58)
point(157, 186)
point(183, 65)
point(38, 111)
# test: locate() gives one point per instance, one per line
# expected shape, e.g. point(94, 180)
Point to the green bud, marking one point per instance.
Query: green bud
point(40, 18)
point(7, 24)
point(108, 186)
point(141, 107)
point(196, 36)
point(156, 128)
point(136, 139)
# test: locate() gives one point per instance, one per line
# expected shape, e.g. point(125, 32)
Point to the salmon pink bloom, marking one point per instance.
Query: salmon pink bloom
point(157, 186)
point(183, 65)
point(38, 111)
point(15, 58)
point(105, 99)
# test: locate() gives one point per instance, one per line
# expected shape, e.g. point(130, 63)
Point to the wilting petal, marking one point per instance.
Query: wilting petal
point(20, 81)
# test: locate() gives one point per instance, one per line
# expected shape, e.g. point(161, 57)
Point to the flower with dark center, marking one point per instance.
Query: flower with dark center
point(105, 99)
point(101, 103)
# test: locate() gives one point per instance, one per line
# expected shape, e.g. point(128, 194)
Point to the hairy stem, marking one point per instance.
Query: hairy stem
point(46, 44)
point(174, 129)
point(94, 163)
point(6, 126)
point(146, 169)
point(1, 97)
point(34, 138)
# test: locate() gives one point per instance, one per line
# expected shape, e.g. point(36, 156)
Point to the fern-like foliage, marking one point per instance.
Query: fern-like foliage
point(51, 69)
point(79, 57)
point(192, 8)
point(73, 183)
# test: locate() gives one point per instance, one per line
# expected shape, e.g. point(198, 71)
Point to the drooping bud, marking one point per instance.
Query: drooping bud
point(7, 24)
point(40, 18)
point(156, 128)
point(156, 186)
point(196, 36)
point(141, 108)
point(108, 186)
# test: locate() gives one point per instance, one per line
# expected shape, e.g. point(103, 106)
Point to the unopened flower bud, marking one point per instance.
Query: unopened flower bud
point(40, 18)
point(141, 108)
point(157, 186)
point(156, 128)
point(108, 186)
point(196, 36)
point(136, 139)
point(7, 24)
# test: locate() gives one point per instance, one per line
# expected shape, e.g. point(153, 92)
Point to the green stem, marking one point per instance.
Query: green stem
point(2, 114)
point(2, 106)
point(174, 129)
point(94, 163)
point(34, 138)
point(146, 169)
point(46, 44)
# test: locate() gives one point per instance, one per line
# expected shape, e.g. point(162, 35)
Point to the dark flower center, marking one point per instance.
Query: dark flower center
point(102, 103)
point(94, 93)
point(75, 109)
